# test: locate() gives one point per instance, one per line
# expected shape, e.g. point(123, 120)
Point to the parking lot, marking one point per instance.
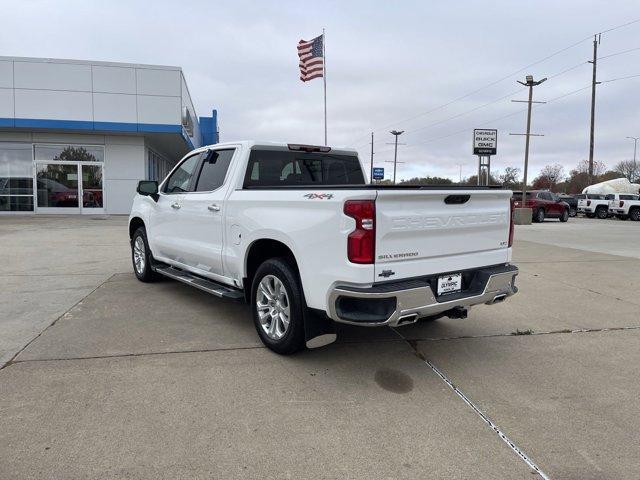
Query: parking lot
point(108, 377)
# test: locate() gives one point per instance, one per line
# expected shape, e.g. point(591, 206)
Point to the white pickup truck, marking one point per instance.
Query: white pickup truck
point(295, 231)
point(594, 205)
point(624, 205)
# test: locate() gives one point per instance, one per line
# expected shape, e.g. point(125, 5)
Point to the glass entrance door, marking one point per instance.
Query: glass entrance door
point(69, 188)
point(57, 188)
point(91, 187)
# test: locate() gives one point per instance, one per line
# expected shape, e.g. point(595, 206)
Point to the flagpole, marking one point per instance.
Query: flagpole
point(324, 80)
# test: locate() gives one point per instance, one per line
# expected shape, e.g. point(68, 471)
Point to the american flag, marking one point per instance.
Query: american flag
point(311, 58)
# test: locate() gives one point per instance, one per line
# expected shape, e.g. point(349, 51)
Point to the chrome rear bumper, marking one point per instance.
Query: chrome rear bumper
point(415, 299)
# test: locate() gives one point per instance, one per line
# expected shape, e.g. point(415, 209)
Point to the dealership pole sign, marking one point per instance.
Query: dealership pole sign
point(378, 173)
point(485, 142)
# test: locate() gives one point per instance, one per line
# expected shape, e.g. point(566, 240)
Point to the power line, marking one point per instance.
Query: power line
point(463, 113)
point(555, 75)
point(620, 78)
point(557, 52)
point(492, 121)
point(619, 53)
point(513, 93)
point(619, 26)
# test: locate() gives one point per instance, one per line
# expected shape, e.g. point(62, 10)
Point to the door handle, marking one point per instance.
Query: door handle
point(175, 205)
point(214, 208)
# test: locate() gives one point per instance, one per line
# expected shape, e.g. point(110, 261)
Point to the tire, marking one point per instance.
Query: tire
point(622, 217)
point(602, 213)
point(635, 214)
point(565, 216)
point(276, 296)
point(141, 257)
point(573, 212)
point(539, 216)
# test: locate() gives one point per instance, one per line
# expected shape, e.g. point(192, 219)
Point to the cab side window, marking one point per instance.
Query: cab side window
point(213, 170)
point(181, 179)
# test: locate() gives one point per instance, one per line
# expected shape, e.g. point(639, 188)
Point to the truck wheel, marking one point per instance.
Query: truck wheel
point(539, 217)
point(602, 213)
point(573, 212)
point(565, 216)
point(141, 257)
point(277, 304)
point(635, 214)
point(622, 217)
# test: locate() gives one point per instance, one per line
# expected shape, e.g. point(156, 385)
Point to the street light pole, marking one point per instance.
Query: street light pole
point(396, 134)
point(526, 147)
point(529, 83)
point(635, 145)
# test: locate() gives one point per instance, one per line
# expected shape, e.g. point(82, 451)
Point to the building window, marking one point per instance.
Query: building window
point(157, 166)
point(16, 177)
point(69, 153)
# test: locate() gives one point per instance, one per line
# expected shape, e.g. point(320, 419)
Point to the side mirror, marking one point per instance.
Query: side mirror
point(148, 188)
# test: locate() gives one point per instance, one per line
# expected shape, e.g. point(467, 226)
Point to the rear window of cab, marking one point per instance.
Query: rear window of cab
point(276, 168)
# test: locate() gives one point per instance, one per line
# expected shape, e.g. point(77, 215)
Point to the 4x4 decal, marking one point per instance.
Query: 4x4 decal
point(319, 196)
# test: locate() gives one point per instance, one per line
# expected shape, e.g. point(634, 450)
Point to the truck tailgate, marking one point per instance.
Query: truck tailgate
point(423, 232)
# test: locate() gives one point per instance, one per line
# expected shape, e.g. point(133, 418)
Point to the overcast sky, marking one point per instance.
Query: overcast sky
point(386, 62)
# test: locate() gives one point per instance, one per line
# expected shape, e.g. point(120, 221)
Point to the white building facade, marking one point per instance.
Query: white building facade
point(77, 136)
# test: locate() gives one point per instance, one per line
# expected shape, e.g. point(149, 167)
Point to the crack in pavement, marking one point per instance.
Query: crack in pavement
point(411, 341)
point(178, 352)
point(533, 334)
point(12, 360)
point(492, 425)
point(140, 354)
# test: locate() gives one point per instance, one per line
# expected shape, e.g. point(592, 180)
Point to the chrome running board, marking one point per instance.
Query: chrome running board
point(204, 284)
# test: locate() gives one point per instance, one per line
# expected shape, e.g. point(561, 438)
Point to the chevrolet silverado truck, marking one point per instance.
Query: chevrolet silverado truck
point(594, 205)
point(624, 205)
point(296, 232)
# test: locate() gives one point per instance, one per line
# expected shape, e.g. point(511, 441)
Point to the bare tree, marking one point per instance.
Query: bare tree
point(510, 178)
point(549, 177)
point(628, 169)
point(598, 167)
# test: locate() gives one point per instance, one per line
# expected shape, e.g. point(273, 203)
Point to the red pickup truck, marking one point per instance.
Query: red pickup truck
point(544, 204)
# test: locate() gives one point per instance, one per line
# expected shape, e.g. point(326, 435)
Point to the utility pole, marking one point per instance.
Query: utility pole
point(635, 145)
point(530, 82)
point(371, 171)
point(460, 166)
point(596, 41)
point(395, 133)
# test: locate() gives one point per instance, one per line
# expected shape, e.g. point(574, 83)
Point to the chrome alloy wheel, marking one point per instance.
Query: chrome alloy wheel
point(139, 255)
point(272, 304)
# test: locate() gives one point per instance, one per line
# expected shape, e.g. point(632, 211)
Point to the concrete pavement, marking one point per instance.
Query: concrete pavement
point(50, 263)
point(162, 381)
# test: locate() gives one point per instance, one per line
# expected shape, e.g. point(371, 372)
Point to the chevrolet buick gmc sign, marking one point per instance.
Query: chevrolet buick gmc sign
point(485, 141)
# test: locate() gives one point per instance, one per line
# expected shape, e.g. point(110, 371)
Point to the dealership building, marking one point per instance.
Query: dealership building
point(77, 136)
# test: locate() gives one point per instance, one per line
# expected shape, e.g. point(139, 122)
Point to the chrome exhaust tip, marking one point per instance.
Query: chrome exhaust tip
point(498, 299)
point(411, 318)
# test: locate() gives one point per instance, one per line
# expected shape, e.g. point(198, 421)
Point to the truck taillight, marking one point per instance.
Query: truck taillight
point(621, 203)
point(361, 243)
point(511, 214)
point(588, 203)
